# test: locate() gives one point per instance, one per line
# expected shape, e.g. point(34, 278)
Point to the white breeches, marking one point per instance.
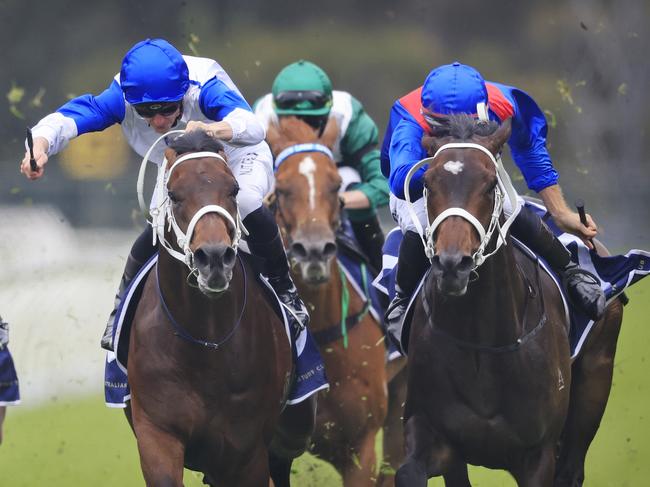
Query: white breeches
point(399, 211)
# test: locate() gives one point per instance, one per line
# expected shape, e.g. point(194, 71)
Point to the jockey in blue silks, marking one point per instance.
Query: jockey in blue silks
point(460, 89)
point(159, 89)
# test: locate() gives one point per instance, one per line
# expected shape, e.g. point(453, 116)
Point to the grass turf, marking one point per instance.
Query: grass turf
point(80, 442)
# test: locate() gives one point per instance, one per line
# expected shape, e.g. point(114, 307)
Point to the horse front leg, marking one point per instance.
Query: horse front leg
point(537, 468)
point(161, 455)
point(427, 455)
point(3, 412)
point(393, 434)
point(360, 469)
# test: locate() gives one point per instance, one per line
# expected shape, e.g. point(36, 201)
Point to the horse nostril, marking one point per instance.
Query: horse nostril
point(201, 258)
point(329, 250)
point(298, 250)
point(229, 257)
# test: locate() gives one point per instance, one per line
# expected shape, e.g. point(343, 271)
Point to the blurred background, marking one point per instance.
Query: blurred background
point(64, 238)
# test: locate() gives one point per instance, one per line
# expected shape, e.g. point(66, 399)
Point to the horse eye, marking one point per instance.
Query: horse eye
point(172, 196)
point(235, 191)
point(491, 187)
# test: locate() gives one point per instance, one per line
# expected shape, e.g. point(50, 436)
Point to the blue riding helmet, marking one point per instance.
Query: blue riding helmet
point(453, 89)
point(154, 71)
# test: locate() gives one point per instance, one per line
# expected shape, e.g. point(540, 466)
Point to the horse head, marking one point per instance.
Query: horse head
point(306, 197)
point(464, 198)
point(201, 209)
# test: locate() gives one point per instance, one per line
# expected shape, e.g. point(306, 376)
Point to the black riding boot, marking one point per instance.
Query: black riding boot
point(264, 241)
point(581, 286)
point(141, 252)
point(412, 263)
point(371, 239)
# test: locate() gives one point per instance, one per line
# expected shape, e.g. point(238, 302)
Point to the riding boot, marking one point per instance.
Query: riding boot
point(412, 263)
point(370, 236)
point(581, 286)
point(141, 251)
point(264, 241)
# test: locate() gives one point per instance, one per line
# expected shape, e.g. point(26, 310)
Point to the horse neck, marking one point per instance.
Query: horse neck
point(492, 310)
point(324, 300)
point(190, 307)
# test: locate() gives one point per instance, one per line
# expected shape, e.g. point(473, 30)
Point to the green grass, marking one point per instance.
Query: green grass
point(79, 442)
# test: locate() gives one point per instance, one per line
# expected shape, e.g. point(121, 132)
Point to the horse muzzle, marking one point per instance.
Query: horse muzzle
point(214, 264)
point(313, 259)
point(452, 272)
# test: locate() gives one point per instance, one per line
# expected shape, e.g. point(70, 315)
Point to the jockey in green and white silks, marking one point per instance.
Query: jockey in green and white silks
point(304, 90)
point(159, 89)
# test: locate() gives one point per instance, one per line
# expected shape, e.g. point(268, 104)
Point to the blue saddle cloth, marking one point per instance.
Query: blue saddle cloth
point(309, 370)
point(9, 391)
point(615, 273)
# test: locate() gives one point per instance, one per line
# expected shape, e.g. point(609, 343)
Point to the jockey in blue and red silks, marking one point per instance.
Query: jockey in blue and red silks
point(159, 89)
point(460, 89)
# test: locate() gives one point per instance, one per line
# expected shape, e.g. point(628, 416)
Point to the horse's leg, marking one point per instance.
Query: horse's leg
point(426, 455)
point(291, 438)
point(591, 382)
point(393, 434)
point(457, 476)
point(254, 473)
point(3, 412)
point(161, 456)
point(536, 468)
point(361, 470)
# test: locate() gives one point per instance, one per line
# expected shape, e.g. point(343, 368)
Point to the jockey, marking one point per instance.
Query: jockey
point(159, 89)
point(303, 90)
point(457, 89)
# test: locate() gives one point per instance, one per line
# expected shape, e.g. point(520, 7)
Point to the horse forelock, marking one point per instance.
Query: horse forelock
point(298, 131)
point(195, 141)
point(464, 127)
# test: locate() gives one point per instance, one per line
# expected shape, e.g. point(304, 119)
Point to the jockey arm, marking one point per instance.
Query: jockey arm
point(528, 147)
point(406, 150)
point(359, 150)
point(86, 113)
point(234, 121)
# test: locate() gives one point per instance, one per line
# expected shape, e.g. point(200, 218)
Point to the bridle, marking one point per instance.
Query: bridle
point(274, 204)
point(162, 214)
point(504, 188)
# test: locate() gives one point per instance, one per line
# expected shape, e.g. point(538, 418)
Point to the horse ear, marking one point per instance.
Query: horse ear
point(170, 155)
point(330, 133)
point(431, 144)
point(499, 137)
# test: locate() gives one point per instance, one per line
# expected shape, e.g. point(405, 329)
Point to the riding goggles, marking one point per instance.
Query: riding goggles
point(307, 100)
point(150, 110)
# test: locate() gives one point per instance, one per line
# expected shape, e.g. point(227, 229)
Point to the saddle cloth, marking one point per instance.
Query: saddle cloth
point(615, 273)
point(9, 392)
point(309, 370)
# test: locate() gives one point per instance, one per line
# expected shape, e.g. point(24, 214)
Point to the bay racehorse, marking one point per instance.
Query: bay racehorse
point(490, 381)
point(308, 211)
point(209, 361)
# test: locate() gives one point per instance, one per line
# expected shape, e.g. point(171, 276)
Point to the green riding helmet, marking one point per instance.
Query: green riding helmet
point(302, 88)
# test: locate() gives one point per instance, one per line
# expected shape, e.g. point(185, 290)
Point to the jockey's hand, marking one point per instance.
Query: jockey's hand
point(569, 221)
point(41, 146)
point(218, 130)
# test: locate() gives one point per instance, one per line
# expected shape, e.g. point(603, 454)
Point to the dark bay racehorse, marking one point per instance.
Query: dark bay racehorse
point(490, 377)
point(307, 209)
point(209, 363)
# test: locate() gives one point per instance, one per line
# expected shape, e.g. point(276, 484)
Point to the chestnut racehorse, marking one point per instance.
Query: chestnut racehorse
point(209, 360)
point(308, 211)
point(491, 381)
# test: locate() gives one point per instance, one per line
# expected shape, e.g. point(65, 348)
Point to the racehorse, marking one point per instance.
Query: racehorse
point(209, 361)
point(308, 211)
point(491, 381)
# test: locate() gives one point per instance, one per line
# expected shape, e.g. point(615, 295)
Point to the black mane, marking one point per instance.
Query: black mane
point(464, 127)
point(195, 141)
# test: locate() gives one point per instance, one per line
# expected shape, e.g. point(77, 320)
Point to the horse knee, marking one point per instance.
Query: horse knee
point(411, 474)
